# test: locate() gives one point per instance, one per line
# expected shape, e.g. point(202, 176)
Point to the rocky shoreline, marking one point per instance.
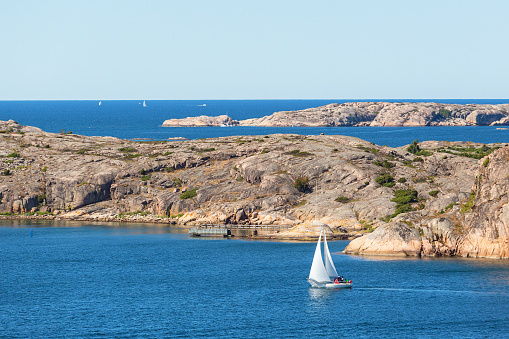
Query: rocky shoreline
point(431, 199)
point(366, 114)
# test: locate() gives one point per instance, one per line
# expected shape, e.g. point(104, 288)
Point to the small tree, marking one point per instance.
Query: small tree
point(414, 147)
point(302, 184)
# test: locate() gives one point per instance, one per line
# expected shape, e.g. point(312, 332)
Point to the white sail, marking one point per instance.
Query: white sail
point(318, 272)
point(100, 103)
point(144, 104)
point(329, 264)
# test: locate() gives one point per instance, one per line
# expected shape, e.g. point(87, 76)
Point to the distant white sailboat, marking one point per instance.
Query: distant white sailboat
point(100, 103)
point(144, 104)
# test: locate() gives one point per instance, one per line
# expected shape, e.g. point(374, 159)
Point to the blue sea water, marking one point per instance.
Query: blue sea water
point(130, 120)
point(82, 280)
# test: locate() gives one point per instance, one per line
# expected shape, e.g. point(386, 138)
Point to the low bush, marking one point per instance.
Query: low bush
point(386, 180)
point(433, 193)
point(189, 194)
point(302, 184)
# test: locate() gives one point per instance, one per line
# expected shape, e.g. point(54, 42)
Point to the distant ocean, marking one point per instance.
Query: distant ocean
point(128, 119)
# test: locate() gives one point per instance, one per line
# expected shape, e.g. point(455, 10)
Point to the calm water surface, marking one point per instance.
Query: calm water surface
point(139, 281)
point(128, 119)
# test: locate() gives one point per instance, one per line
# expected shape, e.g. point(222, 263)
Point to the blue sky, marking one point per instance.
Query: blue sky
point(253, 49)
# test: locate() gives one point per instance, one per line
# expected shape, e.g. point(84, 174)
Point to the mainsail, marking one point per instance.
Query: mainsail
point(318, 272)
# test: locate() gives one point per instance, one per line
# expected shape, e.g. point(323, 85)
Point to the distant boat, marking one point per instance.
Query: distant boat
point(100, 103)
point(202, 105)
point(144, 104)
point(322, 274)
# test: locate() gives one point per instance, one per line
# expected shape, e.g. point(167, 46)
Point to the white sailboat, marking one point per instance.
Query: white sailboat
point(323, 272)
point(100, 103)
point(144, 104)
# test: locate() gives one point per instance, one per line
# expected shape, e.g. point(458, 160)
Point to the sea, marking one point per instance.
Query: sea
point(129, 119)
point(63, 279)
point(85, 280)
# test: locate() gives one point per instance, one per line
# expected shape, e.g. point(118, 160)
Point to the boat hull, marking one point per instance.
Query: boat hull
point(329, 284)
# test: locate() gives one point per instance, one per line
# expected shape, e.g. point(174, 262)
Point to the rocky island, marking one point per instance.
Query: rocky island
point(432, 198)
point(367, 114)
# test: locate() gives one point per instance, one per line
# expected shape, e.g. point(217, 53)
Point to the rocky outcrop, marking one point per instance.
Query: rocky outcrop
point(368, 114)
point(201, 121)
point(459, 207)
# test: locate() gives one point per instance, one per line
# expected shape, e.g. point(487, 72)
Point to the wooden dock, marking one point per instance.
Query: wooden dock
point(236, 230)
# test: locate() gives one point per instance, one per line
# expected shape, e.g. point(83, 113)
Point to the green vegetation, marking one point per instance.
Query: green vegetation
point(297, 153)
point(486, 162)
point(386, 180)
point(82, 151)
point(367, 226)
point(167, 153)
point(6, 172)
point(146, 177)
point(127, 149)
point(176, 216)
point(302, 184)
point(467, 207)
point(265, 150)
point(13, 155)
point(367, 149)
point(189, 194)
point(140, 213)
point(403, 200)
point(300, 203)
point(47, 146)
point(402, 180)
point(414, 148)
point(342, 199)
point(41, 198)
point(444, 113)
point(433, 193)
point(385, 164)
point(177, 182)
point(240, 178)
point(469, 152)
point(9, 161)
point(44, 169)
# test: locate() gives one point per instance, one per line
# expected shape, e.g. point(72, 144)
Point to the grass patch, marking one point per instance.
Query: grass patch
point(469, 152)
point(385, 164)
point(342, 199)
point(297, 153)
point(433, 193)
point(467, 207)
point(189, 194)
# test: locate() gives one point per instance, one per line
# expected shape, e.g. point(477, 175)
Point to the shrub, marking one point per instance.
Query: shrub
point(444, 113)
point(343, 200)
point(434, 193)
point(405, 196)
point(41, 198)
point(414, 147)
point(6, 172)
point(402, 180)
point(47, 146)
point(385, 164)
point(486, 162)
point(13, 155)
point(189, 194)
point(44, 169)
point(177, 182)
point(386, 180)
point(302, 184)
point(143, 172)
point(297, 153)
point(168, 153)
point(146, 177)
point(417, 159)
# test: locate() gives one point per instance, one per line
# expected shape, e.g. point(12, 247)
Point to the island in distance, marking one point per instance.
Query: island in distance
point(429, 198)
point(366, 114)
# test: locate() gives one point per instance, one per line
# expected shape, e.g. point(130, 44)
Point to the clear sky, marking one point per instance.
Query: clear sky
point(221, 49)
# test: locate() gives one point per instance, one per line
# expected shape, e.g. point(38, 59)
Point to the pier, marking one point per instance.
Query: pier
point(221, 230)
